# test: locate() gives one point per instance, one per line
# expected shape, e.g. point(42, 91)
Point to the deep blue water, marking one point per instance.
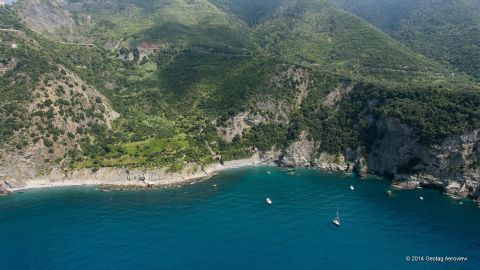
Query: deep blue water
point(229, 226)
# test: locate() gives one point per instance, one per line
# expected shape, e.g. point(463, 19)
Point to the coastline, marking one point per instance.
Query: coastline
point(124, 178)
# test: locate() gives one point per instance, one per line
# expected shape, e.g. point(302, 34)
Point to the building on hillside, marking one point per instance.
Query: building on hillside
point(2, 3)
point(14, 45)
point(146, 49)
point(148, 46)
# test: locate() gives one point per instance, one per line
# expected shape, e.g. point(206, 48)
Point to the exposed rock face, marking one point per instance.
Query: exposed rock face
point(337, 94)
point(59, 19)
point(396, 147)
point(330, 162)
point(46, 16)
point(271, 157)
point(451, 165)
point(3, 190)
point(299, 153)
point(299, 79)
point(361, 167)
point(279, 111)
point(238, 124)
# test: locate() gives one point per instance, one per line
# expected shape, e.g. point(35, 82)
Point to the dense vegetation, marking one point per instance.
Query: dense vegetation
point(444, 30)
point(179, 71)
point(433, 112)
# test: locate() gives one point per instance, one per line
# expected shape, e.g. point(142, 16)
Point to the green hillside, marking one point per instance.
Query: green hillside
point(212, 61)
point(314, 32)
point(385, 14)
point(251, 11)
point(177, 23)
point(444, 30)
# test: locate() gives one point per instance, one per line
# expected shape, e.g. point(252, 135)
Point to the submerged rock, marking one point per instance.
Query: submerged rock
point(3, 191)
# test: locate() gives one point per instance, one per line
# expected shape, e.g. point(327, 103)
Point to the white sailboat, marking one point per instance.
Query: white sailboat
point(336, 220)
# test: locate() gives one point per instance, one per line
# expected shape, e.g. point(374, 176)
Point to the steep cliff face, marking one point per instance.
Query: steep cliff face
point(305, 152)
point(396, 147)
point(451, 165)
point(299, 153)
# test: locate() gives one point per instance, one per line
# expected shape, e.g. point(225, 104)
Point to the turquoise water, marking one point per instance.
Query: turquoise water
point(224, 223)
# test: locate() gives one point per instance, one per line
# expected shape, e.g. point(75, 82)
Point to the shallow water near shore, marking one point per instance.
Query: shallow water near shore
point(224, 223)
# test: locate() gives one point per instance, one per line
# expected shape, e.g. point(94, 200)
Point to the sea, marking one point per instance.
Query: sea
point(225, 223)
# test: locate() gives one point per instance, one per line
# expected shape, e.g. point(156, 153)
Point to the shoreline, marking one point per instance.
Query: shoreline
point(151, 178)
point(137, 178)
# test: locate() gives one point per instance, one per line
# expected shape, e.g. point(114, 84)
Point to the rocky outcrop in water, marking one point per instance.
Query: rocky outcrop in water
point(3, 190)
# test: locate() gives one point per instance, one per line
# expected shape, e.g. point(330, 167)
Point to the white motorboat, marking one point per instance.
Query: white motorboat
point(421, 198)
point(352, 188)
point(268, 201)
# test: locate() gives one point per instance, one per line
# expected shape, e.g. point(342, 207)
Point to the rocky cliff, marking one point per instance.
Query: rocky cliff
point(451, 165)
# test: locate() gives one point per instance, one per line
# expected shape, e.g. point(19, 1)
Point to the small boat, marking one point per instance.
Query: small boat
point(460, 203)
point(268, 201)
point(352, 188)
point(389, 192)
point(214, 185)
point(421, 198)
point(268, 172)
point(336, 220)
